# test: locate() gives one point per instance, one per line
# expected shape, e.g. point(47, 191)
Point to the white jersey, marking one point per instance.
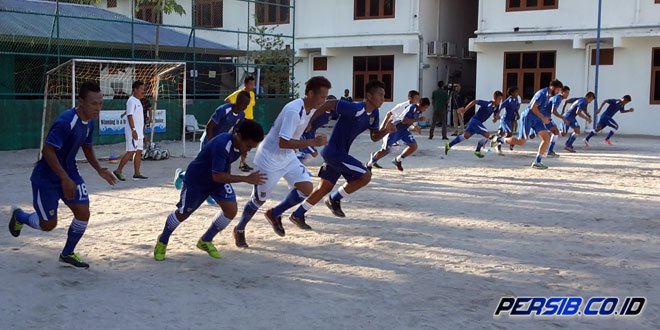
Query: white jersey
point(289, 125)
point(134, 108)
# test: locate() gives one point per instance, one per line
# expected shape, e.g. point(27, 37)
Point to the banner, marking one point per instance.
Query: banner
point(111, 122)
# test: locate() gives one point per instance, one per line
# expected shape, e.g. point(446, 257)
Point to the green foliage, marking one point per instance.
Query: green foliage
point(167, 6)
point(82, 2)
point(276, 58)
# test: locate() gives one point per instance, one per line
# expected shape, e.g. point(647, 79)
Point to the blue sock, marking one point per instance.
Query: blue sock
point(76, 231)
point(481, 143)
point(171, 224)
point(30, 219)
point(591, 134)
point(302, 209)
point(458, 139)
point(339, 194)
point(219, 223)
point(609, 135)
point(571, 139)
point(248, 212)
point(294, 198)
point(539, 158)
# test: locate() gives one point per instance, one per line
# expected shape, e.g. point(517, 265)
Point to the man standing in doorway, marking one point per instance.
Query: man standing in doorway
point(440, 98)
point(347, 96)
point(134, 132)
point(458, 102)
point(249, 84)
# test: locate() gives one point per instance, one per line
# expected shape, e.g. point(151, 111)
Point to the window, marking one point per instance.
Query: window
point(366, 68)
point(655, 77)
point(112, 4)
point(148, 12)
point(273, 13)
point(529, 71)
point(522, 5)
point(208, 13)
point(372, 9)
point(320, 63)
point(606, 56)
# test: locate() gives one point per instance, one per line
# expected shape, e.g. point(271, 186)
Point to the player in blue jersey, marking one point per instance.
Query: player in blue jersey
point(534, 119)
point(511, 106)
point(306, 154)
point(210, 175)
point(56, 176)
point(552, 108)
point(605, 120)
point(476, 125)
point(578, 109)
point(354, 118)
point(412, 115)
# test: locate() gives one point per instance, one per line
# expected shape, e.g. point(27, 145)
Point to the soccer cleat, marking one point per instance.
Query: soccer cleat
point(608, 142)
point(539, 166)
point(245, 168)
point(300, 222)
point(511, 147)
point(73, 260)
point(159, 250)
point(553, 154)
point(137, 177)
point(15, 226)
point(239, 239)
point(178, 178)
point(494, 141)
point(586, 143)
point(209, 248)
point(447, 147)
point(479, 154)
point(211, 201)
point(397, 164)
point(119, 176)
point(276, 223)
point(570, 149)
point(335, 207)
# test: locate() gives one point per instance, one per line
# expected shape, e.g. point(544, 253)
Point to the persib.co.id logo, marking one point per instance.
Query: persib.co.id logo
point(569, 306)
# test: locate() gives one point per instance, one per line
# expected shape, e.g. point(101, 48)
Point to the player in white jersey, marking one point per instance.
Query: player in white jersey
point(134, 133)
point(276, 158)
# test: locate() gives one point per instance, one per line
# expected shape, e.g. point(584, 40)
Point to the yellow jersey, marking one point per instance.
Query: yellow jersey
point(249, 111)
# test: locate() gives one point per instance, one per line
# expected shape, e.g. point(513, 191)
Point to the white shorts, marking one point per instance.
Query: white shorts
point(293, 172)
point(134, 145)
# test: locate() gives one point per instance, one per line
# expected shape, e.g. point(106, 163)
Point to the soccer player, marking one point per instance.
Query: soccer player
point(134, 134)
point(395, 114)
point(249, 83)
point(56, 175)
point(411, 116)
point(606, 120)
point(476, 123)
point(210, 175)
point(511, 106)
point(306, 154)
point(277, 159)
point(554, 104)
point(534, 119)
point(354, 118)
point(578, 108)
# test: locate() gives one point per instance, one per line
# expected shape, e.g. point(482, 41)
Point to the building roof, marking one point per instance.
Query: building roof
point(31, 20)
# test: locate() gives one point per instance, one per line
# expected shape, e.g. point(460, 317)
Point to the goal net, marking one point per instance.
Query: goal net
point(165, 86)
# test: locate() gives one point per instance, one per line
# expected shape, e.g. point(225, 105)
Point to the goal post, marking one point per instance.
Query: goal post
point(165, 89)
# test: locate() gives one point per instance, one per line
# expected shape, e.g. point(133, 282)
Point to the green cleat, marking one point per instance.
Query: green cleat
point(15, 226)
point(539, 166)
point(447, 147)
point(159, 250)
point(209, 248)
point(479, 154)
point(119, 176)
point(73, 260)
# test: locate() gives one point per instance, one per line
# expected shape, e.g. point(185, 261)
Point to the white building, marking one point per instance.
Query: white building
point(526, 46)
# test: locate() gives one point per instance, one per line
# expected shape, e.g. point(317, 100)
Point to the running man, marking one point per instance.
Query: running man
point(56, 176)
point(578, 108)
point(554, 104)
point(511, 106)
point(210, 175)
point(606, 120)
point(476, 123)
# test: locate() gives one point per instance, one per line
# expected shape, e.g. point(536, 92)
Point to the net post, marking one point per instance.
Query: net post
point(184, 92)
point(73, 83)
point(43, 118)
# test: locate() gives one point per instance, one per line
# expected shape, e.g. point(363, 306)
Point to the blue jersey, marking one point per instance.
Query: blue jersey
point(555, 102)
point(577, 105)
point(511, 106)
point(67, 134)
point(353, 119)
point(486, 109)
point(411, 113)
point(215, 157)
point(541, 99)
point(613, 107)
point(225, 118)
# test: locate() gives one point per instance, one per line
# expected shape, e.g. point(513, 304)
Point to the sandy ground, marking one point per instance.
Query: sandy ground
point(434, 248)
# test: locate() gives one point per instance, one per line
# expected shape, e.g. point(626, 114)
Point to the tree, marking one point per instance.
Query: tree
point(276, 60)
point(161, 7)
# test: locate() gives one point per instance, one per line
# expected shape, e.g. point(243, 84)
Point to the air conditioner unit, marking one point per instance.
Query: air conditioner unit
point(433, 48)
point(468, 55)
point(447, 49)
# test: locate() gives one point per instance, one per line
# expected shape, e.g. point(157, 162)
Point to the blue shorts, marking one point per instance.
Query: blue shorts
point(572, 123)
point(530, 124)
point(192, 197)
point(607, 121)
point(46, 197)
point(397, 136)
point(506, 127)
point(476, 127)
point(336, 166)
